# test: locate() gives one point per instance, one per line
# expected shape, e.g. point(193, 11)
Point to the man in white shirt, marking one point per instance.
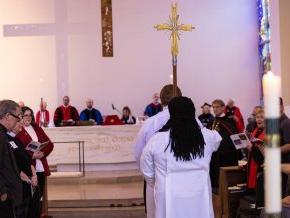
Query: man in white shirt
point(149, 128)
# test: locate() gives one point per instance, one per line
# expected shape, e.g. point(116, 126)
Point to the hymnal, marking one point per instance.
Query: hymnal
point(240, 140)
point(36, 146)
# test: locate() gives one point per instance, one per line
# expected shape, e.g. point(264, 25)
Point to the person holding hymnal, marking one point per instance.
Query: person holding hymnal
point(256, 151)
point(32, 132)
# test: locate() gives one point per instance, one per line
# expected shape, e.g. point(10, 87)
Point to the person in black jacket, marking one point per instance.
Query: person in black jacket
point(226, 155)
point(27, 174)
point(10, 182)
point(206, 117)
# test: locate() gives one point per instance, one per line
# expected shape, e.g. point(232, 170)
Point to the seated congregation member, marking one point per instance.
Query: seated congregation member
point(91, 113)
point(42, 116)
point(226, 155)
point(27, 175)
point(32, 132)
point(127, 117)
point(256, 152)
point(176, 163)
point(10, 182)
point(233, 112)
point(153, 108)
point(66, 114)
point(206, 116)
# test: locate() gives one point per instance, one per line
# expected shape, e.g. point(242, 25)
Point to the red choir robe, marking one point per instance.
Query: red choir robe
point(235, 111)
point(38, 117)
point(255, 158)
point(63, 113)
point(25, 139)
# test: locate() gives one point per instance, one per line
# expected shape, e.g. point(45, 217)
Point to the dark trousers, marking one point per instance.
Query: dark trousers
point(6, 209)
point(41, 183)
point(144, 195)
point(34, 205)
point(21, 211)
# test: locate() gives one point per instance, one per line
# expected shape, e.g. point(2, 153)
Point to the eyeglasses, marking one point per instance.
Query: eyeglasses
point(17, 117)
point(214, 107)
point(27, 115)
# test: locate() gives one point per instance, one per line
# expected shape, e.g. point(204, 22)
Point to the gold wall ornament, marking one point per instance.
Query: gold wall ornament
point(107, 28)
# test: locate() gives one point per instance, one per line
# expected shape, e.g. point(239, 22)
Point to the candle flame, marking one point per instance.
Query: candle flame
point(270, 73)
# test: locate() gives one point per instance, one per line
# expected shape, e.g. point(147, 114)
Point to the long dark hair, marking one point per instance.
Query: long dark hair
point(186, 139)
point(25, 108)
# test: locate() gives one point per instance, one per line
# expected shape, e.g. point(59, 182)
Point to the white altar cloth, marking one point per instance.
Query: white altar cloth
point(103, 145)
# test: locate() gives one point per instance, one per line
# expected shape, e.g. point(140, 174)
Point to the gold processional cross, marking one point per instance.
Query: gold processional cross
point(175, 28)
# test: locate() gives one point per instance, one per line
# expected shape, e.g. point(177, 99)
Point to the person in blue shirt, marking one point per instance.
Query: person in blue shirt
point(154, 107)
point(91, 113)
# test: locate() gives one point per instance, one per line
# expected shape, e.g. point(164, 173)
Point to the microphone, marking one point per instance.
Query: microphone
point(115, 109)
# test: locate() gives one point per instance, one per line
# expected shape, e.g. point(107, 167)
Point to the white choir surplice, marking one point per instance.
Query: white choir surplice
point(182, 189)
point(148, 129)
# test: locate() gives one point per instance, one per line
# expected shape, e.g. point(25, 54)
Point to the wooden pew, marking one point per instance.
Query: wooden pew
point(229, 176)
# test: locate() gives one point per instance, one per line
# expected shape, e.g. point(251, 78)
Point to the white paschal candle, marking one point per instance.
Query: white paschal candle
point(272, 90)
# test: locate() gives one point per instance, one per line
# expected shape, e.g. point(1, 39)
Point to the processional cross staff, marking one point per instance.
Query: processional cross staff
point(175, 28)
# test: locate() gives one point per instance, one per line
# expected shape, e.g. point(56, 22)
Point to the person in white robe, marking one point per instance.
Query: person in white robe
point(148, 129)
point(175, 162)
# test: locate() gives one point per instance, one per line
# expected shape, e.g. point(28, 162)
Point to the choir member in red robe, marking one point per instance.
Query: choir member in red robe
point(66, 115)
point(42, 116)
point(233, 112)
point(256, 150)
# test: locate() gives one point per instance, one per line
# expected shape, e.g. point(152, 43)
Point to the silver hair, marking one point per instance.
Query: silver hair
point(7, 106)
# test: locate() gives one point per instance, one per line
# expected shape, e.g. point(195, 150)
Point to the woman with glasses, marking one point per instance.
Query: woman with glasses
point(32, 132)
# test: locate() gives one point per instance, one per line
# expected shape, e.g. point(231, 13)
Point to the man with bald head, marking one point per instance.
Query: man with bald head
point(65, 115)
point(154, 107)
point(91, 113)
point(234, 113)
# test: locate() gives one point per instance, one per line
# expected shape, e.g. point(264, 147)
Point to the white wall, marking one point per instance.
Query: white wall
point(217, 60)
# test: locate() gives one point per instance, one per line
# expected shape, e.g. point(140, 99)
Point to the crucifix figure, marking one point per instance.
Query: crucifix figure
point(175, 28)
